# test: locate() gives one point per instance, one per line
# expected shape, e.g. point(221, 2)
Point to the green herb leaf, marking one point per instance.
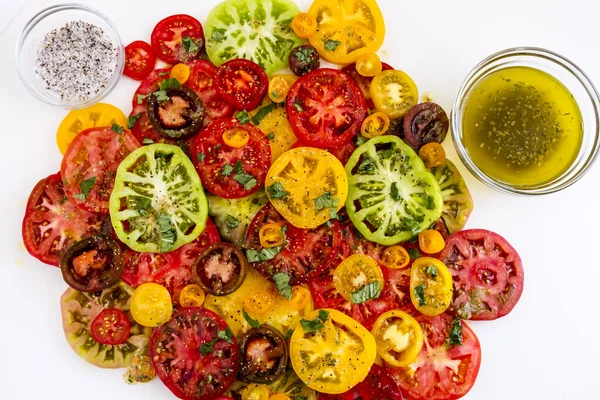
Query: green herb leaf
point(200, 157)
point(323, 315)
point(420, 294)
point(163, 73)
point(147, 141)
point(132, 119)
point(456, 337)
point(141, 98)
point(431, 270)
point(170, 83)
point(252, 322)
point(298, 105)
point(161, 95)
point(288, 334)
point(277, 191)
point(263, 112)
point(270, 136)
point(326, 200)
point(226, 335)
point(231, 221)
point(245, 179)
point(304, 54)
point(243, 117)
point(360, 140)
point(263, 255)
point(282, 284)
point(414, 253)
point(86, 186)
point(189, 45)
point(117, 128)
point(312, 326)
point(207, 347)
point(368, 292)
point(226, 170)
point(218, 35)
point(394, 193)
point(143, 203)
point(368, 166)
point(167, 232)
point(331, 45)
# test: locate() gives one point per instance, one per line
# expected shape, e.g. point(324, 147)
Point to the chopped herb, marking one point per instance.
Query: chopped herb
point(274, 94)
point(231, 221)
point(394, 193)
point(331, 45)
point(413, 253)
point(243, 117)
point(263, 112)
point(218, 35)
point(161, 95)
point(238, 167)
point(245, 179)
point(207, 347)
point(141, 98)
point(298, 105)
point(189, 45)
point(132, 119)
point(147, 141)
point(431, 271)
point(304, 54)
point(282, 284)
point(143, 203)
point(271, 136)
point(368, 166)
point(263, 255)
point(360, 140)
point(288, 334)
point(85, 186)
point(252, 322)
point(226, 170)
point(368, 292)
point(200, 157)
point(226, 335)
point(171, 83)
point(277, 191)
point(455, 338)
point(117, 128)
point(420, 294)
point(323, 315)
point(326, 200)
point(163, 73)
point(167, 232)
point(316, 324)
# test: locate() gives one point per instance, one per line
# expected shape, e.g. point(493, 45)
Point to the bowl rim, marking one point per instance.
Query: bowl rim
point(38, 17)
point(475, 76)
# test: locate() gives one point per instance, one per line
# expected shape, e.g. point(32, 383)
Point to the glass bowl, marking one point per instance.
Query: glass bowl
point(55, 17)
point(573, 78)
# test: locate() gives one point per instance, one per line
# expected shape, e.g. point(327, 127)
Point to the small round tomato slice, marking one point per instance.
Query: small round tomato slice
point(487, 273)
point(430, 286)
point(458, 202)
point(202, 81)
point(110, 327)
point(354, 273)
point(442, 371)
point(220, 269)
point(393, 93)
point(364, 82)
point(151, 305)
point(90, 164)
point(194, 354)
point(231, 172)
point(178, 38)
point(399, 338)
point(52, 223)
point(242, 84)
point(326, 108)
point(139, 60)
point(304, 254)
point(264, 355)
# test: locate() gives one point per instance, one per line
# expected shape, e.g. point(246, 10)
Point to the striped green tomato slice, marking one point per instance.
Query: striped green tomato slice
point(458, 202)
point(258, 30)
point(392, 196)
point(158, 203)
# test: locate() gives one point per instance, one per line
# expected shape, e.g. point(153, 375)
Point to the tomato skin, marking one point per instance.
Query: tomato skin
point(110, 327)
point(48, 205)
point(202, 81)
point(242, 84)
point(167, 38)
point(139, 60)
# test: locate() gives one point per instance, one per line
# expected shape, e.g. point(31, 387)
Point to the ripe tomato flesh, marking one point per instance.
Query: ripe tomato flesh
point(378, 385)
point(364, 82)
point(202, 81)
point(139, 60)
point(110, 327)
point(167, 38)
point(242, 84)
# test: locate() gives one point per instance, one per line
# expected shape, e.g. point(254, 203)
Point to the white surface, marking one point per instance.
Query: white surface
point(548, 348)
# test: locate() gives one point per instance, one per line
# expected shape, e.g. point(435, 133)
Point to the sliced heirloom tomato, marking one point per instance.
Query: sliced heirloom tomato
point(458, 202)
point(331, 352)
point(378, 385)
point(425, 123)
point(139, 60)
point(393, 93)
point(399, 338)
point(430, 286)
point(158, 203)
point(111, 327)
point(242, 84)
point(231, 172)
point(487, 274)
point(173, 270)
point(195, 354)
point(220, 269)
point(80, 310)
point(326, 108)
point(90, 163)
point(392, 196)
point(442, 371)
point(178, 116)
point(202, 81)
point(264, 355)
point(255, 30)
point(178, 38)
point(347, 29)
point(52, 223)
point(272, 119)
point(151, 305)
point(364, 82)
point(304, 254)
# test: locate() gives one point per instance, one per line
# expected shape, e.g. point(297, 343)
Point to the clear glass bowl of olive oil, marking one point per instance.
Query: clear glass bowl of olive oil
point(526, 121)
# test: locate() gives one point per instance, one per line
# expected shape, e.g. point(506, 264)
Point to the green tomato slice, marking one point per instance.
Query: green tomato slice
point(79, 311)
point(392, 197)
point(458, 202)
point(158, 203)
point(258, 30)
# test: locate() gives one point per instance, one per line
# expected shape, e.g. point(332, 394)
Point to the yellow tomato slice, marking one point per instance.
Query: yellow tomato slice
point(374, 125)
point(181, 72)
point(255, 392)
point(304, 25)
point(151, 305)
point(346, 29)
point(336, 356)
point(258, 301)
point(308, 176)
point(399, 338)
point(431, 241)
point(192, 296)
point(432, 154)
point(279, 86)
point(369, 65)
point(430, 286)
point(301, 297)
point(100, 114)
point(395, 257)
point(236, 137)
point(393, 93)
point(270, 235)
point(354, 273)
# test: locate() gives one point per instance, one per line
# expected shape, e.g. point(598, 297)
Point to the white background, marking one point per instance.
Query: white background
point(548, 348)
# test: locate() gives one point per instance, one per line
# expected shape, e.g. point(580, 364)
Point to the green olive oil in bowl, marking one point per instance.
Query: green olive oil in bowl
point(522, 127)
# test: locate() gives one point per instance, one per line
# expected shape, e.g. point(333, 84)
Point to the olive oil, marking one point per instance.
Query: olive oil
point(522, 127)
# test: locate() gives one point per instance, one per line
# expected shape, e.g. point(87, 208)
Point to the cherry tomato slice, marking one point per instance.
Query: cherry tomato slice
point(395, 257)
point(304, 25)
point(369, 65)
point(431, 241)
point(279, 87)
point(151, 305)
point(375, 124)
point(364, 82)
point(432, 154)
point(236, 137)
point(399, 338)
point(263, 355)
point(111, 327)
point(178, 38)
point(430, 286)
point(242, 84)
point(258, 301)
point(220, 269)
point(270, 235)
point(301, 297)
point(354, 273)
point(139, 60)
point(393, 93)
point(202, 80)
point(181, 72)
point(191, 296)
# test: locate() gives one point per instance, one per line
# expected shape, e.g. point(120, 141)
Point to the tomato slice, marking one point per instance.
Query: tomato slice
point(264, 355)
point(52, 223)
point(173, 270)
point(378, 385)
point(89, 166)
point(364, 82)
point(139, 60)
point(326, 108)
point(487, 273)
point(220, 269)
point(242, 84)
point(178, 38)
point(393, 93)
point(227, 171)
point(304, 254)
point(342, 153)
point(195, 354)
point(442, 371)
point(110, 327)
point(399, 338)
point(202, 81)
point(151, 305)
point(458, 202)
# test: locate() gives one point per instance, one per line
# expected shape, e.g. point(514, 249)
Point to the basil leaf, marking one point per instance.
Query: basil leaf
point(207, 347)
point(282, 284)
point(200, 157)
point(277, 191)
point(189, 45)
point(132, 119)
point(331, 45)
point(431, 271)
point(141, 98)
point(167, 232)
point(117, 128)
point(413, 253)
point(368, 166)
point(147, 141)
point(326, 200)
point(323, 315)
point(263, 112)
point(161, 95)
point(263, 255)
point(226, 335)
point(226, 170)
point(368, 292)
point(456, 337)
point(231, 221)
point(243, 117)
point(298, 105)
point(420, 294)
point(288, 334)
point(252, 322)
point(247, 180)
point(312, 326)
point(167, 84)
point(86, 186)
point(270, 136)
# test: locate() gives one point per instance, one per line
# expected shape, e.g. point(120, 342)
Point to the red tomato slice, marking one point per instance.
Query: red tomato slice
point(441, 371)
point(342, 153)
point(305, 253)
point(92, 159)
point(139, 60)
point(173, 270)
point(52, 223)
point(364, 82)
point(326, 108)
point(217, 163)
point(378, 385)
point(487, 273)
point(202, 81)
point(242, 84)
point(168, 36)
point(110, 327)
point(189, 356)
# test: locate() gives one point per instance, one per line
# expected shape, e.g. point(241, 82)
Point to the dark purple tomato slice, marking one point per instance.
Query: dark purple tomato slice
point(220, 269)
point(263, 355)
